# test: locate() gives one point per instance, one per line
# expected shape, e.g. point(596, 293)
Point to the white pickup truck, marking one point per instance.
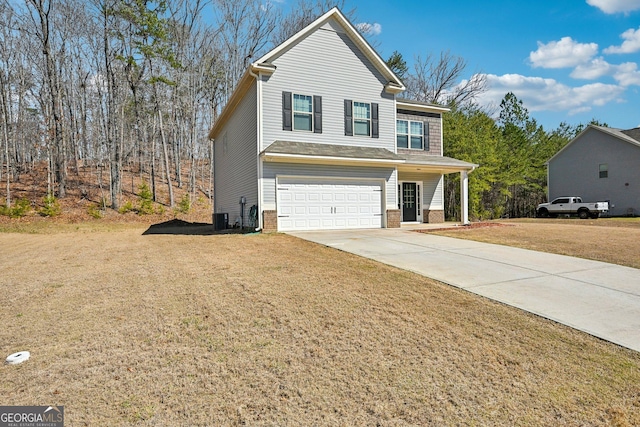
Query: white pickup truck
point(571, 206)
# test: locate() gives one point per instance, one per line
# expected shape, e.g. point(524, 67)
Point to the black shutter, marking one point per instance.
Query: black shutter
point(425, 129)
point(317, 114)
point(348, 117)
point(375, 127)
point(286, 111)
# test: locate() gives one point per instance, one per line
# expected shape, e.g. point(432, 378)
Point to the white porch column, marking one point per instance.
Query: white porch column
point(464, 197)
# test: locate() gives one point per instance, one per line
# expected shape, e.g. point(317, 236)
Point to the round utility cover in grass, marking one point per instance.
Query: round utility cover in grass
point(17, 358)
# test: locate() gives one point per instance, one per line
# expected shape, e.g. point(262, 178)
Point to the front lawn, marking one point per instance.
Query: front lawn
point(613, 240)
point(176, 330)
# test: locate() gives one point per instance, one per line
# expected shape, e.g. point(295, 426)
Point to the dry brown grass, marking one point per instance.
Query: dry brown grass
point(187, 330)
point(613, 240)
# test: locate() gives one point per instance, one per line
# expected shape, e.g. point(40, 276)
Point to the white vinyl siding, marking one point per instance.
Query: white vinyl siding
point(433, 192)
point(235, 156)
point(350, 76)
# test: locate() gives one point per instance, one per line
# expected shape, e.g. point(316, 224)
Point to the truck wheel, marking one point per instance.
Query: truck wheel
point(595, 215)
point(543, 213)
point(583, 214)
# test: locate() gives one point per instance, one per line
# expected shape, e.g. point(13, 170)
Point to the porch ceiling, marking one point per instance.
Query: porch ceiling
point(422, 162)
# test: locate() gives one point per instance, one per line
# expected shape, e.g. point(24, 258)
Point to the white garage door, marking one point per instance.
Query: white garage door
point(319, 204)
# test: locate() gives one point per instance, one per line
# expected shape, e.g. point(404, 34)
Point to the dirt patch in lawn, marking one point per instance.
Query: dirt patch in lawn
point(613, 240)
point(132, 329)
point(461, 228)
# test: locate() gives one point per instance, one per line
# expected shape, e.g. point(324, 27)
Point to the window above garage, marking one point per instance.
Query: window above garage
point(412, 134)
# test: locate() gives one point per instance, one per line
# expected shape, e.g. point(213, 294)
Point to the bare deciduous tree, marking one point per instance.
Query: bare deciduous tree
point(438, 80)
point(302, 14)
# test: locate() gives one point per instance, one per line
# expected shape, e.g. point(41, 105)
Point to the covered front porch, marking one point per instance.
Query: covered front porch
point(421, 188)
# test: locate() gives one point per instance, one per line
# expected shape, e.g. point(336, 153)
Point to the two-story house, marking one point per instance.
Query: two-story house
point(316, 137)
point(600, 163)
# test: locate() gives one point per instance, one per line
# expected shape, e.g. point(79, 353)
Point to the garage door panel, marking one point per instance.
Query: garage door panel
point(312, 204)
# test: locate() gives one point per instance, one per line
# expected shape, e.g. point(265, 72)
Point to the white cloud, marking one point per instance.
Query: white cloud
point(563, 53)
point(615, 6)
point(369, 29)
point(592, 70)
point(540, 94)
point(631, 42)
point(627, 74)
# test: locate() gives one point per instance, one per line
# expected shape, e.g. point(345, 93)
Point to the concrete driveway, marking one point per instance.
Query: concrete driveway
point(595, 297)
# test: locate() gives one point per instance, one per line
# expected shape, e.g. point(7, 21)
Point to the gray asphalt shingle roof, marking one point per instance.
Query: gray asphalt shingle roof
point(330, 150)
point(354, 152)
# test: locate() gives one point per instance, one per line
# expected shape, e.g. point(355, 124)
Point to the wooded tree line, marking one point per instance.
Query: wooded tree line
point(112, 84)
point(103, 85)
point(512, 152)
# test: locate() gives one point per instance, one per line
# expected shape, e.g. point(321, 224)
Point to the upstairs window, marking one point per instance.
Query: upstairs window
point(302, 112)
point(410, 134)
point(402, 131)
point(362, 118)
point(604, 170)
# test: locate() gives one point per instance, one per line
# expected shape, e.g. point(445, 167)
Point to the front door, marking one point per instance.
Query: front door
point(409, 211)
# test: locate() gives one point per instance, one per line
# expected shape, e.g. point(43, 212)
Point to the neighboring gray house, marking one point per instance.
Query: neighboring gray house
point(315, 137)
point(599, 164)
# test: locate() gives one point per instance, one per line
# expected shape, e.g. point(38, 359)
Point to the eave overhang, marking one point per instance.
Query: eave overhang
point(406, 104)
point(331, 154)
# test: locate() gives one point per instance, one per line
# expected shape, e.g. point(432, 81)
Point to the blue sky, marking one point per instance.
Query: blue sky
point(567, 60)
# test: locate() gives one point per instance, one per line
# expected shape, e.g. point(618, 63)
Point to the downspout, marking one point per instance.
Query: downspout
point(258, 78)
point(213, 175)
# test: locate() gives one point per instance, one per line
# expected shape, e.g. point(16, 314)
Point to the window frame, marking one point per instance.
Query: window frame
point(410, 135)
point(367, 120)
point(295, 112)
point(603, 172)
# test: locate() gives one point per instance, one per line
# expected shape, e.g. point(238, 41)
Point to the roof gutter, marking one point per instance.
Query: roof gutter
point(301, 158)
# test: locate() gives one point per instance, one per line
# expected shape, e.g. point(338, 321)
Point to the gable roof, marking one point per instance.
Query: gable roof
point(633, 133)
point(263, 64)
point(394, 82)
point(632, 136)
